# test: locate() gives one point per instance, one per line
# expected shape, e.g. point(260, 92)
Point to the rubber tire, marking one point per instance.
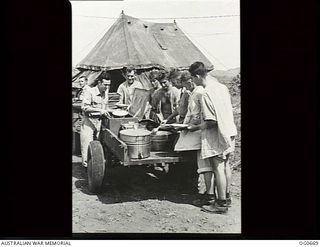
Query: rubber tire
point(108, 163)
point(96, 166)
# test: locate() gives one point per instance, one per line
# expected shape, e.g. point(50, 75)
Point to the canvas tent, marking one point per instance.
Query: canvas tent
point(143, 45)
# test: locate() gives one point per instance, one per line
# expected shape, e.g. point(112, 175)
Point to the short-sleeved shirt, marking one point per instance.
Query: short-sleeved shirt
point(194, 107)
point(91, 102)
point(126, 91)
point(192, 140)
point(82, 91)
point(210, 138)
point(216, 141)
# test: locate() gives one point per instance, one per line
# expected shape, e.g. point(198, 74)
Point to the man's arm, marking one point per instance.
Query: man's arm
point(155, 98)
point(86, 104)
point(207, 124)
point(181, 108)
point(120, 91)
point(173, 115)
point(233, 129)
point(208, 114)
point(207, 108)
point(176, 98)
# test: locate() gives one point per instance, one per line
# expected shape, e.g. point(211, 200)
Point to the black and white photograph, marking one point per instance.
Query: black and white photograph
point(156, 117)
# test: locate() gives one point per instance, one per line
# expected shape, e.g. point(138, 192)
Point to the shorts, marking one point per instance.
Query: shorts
point(205, 165)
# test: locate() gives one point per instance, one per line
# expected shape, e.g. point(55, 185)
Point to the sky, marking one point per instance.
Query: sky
point(218, 37)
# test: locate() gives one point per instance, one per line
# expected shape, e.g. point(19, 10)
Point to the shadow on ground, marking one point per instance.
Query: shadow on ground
point(131, 184)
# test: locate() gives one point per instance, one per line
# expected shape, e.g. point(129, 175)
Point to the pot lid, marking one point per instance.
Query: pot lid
point(135, 132)
point(162, 133)
point(120, 113)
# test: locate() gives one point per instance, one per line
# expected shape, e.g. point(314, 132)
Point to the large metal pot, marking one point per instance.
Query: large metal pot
point(161, 141)
point(128, 125)
point(138, 142)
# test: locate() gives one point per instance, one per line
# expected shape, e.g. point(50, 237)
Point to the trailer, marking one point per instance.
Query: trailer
point(109, 148)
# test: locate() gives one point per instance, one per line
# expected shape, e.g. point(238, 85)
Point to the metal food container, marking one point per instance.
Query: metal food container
point(114, 124)
point(129, 125)
point(138, 142)
point(161, 141)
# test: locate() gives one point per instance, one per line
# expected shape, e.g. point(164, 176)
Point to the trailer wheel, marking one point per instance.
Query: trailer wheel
point(96, 166)
point(108, 163)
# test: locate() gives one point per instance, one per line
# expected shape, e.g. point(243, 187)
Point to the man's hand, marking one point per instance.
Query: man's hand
point(164, 121)
point(193, 127)
point(107, 114)
point(104, 112)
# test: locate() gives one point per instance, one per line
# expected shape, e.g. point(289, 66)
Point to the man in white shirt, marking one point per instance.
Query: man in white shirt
point(83, 82)
point(126, 89)
point(94, 105)
point(218, 131)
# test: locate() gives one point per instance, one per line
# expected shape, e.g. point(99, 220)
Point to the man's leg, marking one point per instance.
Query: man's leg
point(208, 181)
point(201, 185)
point(97, 128)
point(86, 136)
point(206, 170)
point(206, 178)
point(221, 181)
point(219, 206)
point(228, 174)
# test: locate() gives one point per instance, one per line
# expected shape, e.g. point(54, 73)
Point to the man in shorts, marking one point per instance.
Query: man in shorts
point(217, 135)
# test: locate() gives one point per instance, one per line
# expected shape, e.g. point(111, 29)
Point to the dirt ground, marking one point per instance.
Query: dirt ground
point(143, 200)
